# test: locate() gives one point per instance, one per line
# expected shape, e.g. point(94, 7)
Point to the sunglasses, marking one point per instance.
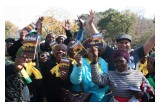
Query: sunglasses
point(45, 55)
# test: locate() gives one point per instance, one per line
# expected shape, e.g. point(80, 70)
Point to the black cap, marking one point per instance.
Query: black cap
point(124, 36)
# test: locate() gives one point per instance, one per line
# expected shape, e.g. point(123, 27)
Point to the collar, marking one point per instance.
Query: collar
point(124, 72)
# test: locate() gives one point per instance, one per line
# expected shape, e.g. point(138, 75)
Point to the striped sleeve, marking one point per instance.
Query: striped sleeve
point(97, 78)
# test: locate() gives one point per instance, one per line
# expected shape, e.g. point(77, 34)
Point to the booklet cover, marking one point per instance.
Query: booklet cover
point(97, 40)
point(53, 45)
point(30, 46)
point(79, 49)
point(31, 27)
point(64, 65)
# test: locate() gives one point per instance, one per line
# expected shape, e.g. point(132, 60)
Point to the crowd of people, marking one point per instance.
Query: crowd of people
point(110, 75)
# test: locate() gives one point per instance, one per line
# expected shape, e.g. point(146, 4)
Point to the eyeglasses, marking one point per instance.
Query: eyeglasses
point(45, 55)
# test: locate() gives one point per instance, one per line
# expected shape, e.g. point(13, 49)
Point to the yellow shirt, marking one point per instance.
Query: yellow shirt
point(143, 68)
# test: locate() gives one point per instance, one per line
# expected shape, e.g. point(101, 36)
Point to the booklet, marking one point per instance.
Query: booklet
point(97, 40)
point(134, 88)
point(79, 49)
point(64, 65)
point(30, 46)
point(31, 27)
point(53, 44)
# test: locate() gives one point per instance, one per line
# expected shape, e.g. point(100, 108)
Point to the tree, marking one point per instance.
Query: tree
point(50, 24)
point(54, 19)
point(115, 22)
point(11, 30)
point(144, 29)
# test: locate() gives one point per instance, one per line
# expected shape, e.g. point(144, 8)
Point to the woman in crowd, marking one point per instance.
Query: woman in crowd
point(125, 83)
point(82, 74)
point(54, 79)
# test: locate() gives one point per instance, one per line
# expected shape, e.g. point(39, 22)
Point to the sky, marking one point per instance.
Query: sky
point(22, 15)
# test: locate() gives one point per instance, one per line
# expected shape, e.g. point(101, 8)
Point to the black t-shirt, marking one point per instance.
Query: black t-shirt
point(138, 53)
point(54, 84)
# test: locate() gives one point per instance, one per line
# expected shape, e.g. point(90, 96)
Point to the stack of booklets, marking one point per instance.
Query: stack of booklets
point(30, 46)
point(53, 44)
point(64, 65)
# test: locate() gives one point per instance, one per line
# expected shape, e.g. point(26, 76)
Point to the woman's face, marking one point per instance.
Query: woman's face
point(121, 64)
point(44, 56)
point(150, 66)
point(60, 51)
point(60, 40)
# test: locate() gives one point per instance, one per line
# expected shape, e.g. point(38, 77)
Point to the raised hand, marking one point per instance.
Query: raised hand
point(81, 21)
point(94, 51)
point(91, 16)
point(67, 25)
point(39, 24)
point(23, 33)
point(91, 27)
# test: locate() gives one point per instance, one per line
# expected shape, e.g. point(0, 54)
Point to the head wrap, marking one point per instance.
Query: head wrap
point(121, 53)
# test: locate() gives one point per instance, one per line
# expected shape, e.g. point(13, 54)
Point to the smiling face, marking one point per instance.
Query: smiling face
point(60, 51)
point(121, 64)
point(124, 45)
point(50, 38)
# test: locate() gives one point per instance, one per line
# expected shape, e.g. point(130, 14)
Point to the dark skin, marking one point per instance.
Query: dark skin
point(19, 62)
point(71, 52)
point(50, 37)
point(121, 65)
point(24, 32)
point(59, 53)
point(44, 56)
point(150, 67)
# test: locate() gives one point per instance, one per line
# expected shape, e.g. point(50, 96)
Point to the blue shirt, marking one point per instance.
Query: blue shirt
point(83, 74)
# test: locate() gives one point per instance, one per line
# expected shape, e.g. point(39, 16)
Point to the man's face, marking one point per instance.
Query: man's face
point(124, 45)
point(50, 38)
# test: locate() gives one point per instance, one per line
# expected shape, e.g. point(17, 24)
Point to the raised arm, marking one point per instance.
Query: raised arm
point(100, 79)
point(91, 27)
point(149, 44)
point(39, 24)
point(67, 28)
point(79, 35)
